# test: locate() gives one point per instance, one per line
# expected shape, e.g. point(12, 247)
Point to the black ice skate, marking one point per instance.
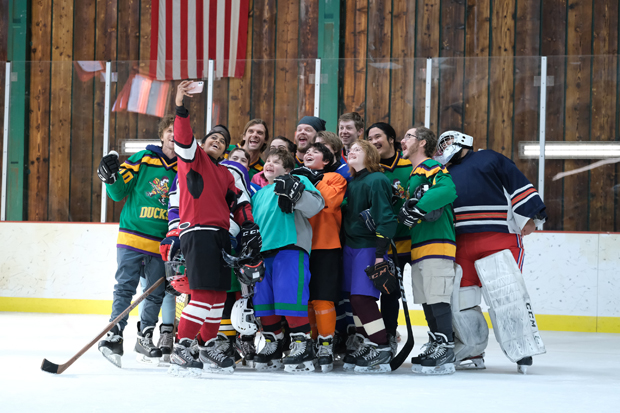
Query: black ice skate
point(427, 349)
point(148, 352)
point(166, 341)
point(340, 342)
point(471, 363)
point(376, 359)
point(325, 353)
point(270, 357)
point(440, 361)
point(214, 355)
point(523, 364)
point(301, 359)
point(355, 348)
point(246, 348)
point(112, 346)
point(182, 361)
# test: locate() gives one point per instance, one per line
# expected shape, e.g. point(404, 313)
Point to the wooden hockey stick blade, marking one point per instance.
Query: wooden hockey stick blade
point(50, 367)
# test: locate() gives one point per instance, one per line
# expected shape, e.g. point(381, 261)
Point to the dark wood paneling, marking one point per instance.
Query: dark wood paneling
point(263, 65)
point(604, 108)
point(39, 119)
point(308, 48)
point(403, 73)
point(451, 71)
point(578, 70)
point(287, 74)
point(60, 113)
point(378, 68)
point(501, 88)
point(476, 84)
point(354, 65)
point(428, 32)
point(82, 150)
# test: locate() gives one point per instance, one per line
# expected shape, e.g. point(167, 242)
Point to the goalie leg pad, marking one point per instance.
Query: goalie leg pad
point(514, 323)
point(471, 333)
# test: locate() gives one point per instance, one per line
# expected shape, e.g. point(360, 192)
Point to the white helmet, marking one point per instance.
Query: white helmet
point(242, 318)
point(450, 143)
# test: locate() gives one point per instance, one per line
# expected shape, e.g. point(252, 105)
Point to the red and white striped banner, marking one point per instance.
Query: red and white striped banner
point(185, 34)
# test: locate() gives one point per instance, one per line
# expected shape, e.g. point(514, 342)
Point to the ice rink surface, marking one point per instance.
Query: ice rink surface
point(579, 373)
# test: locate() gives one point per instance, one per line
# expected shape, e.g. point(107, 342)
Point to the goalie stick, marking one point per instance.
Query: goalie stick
point(50, 367)
point(398, 359)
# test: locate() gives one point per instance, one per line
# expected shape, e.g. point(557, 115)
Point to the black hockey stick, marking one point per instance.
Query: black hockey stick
point(398, 360)
point(50, 367)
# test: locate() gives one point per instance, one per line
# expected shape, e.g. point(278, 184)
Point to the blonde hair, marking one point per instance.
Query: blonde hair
point(372, 160)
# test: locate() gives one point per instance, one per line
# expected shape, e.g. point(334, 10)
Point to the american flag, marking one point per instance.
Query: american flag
point(188, 33)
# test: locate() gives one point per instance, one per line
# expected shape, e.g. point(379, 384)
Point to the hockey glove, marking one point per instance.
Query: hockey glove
point(409, 214)
point(108, 167)
point(383, 277)
point(368, 221)
point(251, 239)
point(289, 186)
point(285, 204)
point(313, 176)
point(170, 245)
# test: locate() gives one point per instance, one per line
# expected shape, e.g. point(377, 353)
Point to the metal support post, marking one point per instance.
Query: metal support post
point(5, 137)
point(541, 129)
point(317, 87)
point(210, 97)
point(427, 102)
point(106, 133)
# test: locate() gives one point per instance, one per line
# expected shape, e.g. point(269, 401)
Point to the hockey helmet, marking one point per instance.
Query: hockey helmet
point(251, 272)
point(176, 277)
point(450, 143)
point(242, 318)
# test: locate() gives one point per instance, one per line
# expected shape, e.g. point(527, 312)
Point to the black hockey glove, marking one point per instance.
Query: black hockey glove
point(313, 176)
point(383, 277)
point(108, 167)
point(289, 186)
point(170, 245)
point(409, 214)
point(251, 239)
point(285, 204)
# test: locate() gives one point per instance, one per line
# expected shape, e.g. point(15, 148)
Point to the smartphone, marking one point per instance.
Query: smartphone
point(195, 87)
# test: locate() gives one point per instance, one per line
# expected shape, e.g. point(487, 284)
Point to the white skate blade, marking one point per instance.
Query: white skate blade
point(272, 365)
point(215, 369)
point(153, 361)
point(111, 357)
point(326, 368)
point(165, 360)
point(379, 368)
point(305, 367)
point(447, 368)
point(470, 364)
point(522, 369)
point(178, 371)
point(348, 366)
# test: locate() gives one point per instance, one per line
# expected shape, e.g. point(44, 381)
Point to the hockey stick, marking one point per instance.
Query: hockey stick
point(398, 360)
point(50, 367)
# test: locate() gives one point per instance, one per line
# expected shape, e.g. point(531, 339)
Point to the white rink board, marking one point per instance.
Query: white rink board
point(573, 274)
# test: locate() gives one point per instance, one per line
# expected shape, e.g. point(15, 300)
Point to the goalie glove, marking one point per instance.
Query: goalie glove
point(251, 240)
point(289, 186)
point(108, 167)
point(383, 277)
point(170, 245)
point(313, 176)
point(409, 214)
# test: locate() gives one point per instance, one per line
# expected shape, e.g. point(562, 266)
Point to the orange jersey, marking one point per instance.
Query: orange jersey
point(326, 224)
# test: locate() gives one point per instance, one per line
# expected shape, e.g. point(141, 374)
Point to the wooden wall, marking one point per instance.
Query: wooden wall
point(483, 84)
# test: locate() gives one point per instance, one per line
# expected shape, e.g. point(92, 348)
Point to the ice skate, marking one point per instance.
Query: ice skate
point(440, 361)
point(301, 358)
point(523, 364)
point(148, 352)
point(376, 359)
point(340, 342)
point(165, 342)
point(245, 346)
point(325, 353)
point(427, 349)
point(393, 341)
point(270, 357)
point(182, 362)
point(355, 348)
point(471, 363)
point(112, 346)
point(214, 355)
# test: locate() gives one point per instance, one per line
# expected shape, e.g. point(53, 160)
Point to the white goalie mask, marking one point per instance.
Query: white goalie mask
point(450, 143)
point(242, 318)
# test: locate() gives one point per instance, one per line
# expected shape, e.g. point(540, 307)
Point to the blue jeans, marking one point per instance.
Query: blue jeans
point(168, 307)
point(131, 266)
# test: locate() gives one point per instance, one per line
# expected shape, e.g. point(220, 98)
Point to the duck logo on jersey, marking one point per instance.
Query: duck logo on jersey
point(398, 192)
point(160, 188)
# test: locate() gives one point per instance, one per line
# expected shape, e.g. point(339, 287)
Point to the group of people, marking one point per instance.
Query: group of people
point(324, 226)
